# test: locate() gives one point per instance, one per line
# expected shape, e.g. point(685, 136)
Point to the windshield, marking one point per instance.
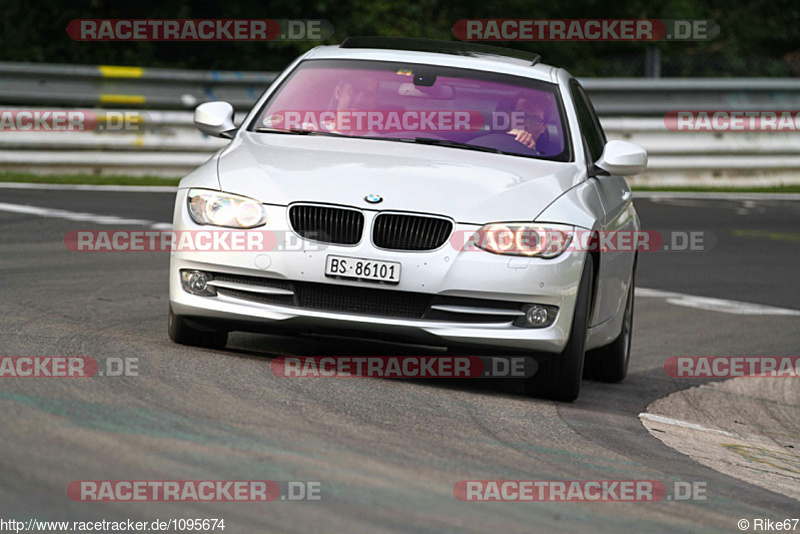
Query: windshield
point(420, 103)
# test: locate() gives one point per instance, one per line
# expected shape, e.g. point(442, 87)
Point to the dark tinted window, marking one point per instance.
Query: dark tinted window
point(591, 130)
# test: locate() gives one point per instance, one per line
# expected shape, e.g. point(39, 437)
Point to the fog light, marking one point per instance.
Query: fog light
point(196, 283)
point(537, 316)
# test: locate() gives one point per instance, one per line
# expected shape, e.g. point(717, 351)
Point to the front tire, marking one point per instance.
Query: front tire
point(560, 377)
point(181, 332)
point(610, 363)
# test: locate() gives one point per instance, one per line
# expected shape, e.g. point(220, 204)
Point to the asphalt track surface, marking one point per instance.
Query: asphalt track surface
point(390, 451)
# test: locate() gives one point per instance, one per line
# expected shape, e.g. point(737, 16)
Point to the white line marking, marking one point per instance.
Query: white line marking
point(684, 424)
point(655, 293)
point(77, 216)
point(714, 304)
point(715, 196)
point(87, 187)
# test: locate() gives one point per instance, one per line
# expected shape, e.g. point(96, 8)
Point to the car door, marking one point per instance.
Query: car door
point(619, 215)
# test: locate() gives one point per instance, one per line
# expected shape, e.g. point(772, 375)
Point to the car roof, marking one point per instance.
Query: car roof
point(491, 63)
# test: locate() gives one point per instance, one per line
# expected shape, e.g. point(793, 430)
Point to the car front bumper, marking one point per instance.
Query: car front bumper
point(443, 273)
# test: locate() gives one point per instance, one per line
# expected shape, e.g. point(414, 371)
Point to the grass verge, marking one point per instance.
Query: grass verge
point(96, 179)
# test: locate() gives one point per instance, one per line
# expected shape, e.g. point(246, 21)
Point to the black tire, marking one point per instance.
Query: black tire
point(560, 377)
point(180, 332)
point(610, 363)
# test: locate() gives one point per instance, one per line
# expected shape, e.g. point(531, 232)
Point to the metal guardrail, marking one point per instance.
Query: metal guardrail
point(168, 131)
point(108, 86)
point(168, 144)
point(658, 96)
point(38, 84)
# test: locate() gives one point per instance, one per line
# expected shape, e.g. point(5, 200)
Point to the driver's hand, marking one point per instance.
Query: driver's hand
point(524, 137)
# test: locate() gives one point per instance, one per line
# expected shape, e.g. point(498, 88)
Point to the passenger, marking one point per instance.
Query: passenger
point(534, 134)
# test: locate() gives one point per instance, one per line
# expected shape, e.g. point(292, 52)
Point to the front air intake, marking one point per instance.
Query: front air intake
point(397, 231)
point(341, 226)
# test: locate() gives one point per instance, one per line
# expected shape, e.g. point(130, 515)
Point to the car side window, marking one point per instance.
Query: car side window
point(591, 131)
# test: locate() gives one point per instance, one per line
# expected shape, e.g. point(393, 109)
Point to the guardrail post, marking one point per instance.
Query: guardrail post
point(652, 62)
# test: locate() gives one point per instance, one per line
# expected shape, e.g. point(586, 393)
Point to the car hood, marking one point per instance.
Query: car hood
point(469, 186)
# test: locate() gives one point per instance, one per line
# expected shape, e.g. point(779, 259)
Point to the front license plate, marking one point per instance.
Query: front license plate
point(363, 269)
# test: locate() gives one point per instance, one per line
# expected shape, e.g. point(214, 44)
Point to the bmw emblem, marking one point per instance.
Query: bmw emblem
point(373, 199)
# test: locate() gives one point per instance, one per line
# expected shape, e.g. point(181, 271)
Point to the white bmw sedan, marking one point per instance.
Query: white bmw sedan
point(446, 193)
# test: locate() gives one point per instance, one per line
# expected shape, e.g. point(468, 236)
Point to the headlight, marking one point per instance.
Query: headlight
point(524, 239)
point(224, 209)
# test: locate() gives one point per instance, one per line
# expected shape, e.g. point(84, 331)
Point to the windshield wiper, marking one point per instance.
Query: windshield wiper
point(417, 140)
point(296, 131)
point(452, 144)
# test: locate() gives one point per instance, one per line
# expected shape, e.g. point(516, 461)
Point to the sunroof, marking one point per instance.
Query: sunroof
point(441, 47)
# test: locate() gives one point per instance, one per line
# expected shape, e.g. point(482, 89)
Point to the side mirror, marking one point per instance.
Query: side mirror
point(215, 118)
point(623, 158)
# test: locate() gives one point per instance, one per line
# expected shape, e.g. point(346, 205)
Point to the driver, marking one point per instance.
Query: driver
point(359, 93)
